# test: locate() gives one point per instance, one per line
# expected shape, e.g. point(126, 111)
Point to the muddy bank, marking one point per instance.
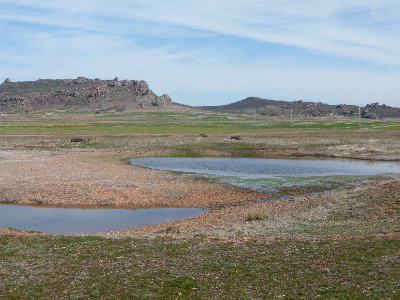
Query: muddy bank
point(103, 179)
point(371, 208)
point(50, 170)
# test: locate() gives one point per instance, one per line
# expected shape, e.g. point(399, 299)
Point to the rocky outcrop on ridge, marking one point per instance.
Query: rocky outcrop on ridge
point(267, 107)
point(78, 94)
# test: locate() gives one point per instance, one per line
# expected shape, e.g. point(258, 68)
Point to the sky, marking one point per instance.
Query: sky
point(212, 52)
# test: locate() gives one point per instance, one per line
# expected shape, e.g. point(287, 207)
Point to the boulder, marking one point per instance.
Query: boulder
point(161, 101)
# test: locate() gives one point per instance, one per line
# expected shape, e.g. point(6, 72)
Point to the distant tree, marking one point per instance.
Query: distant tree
point(270, 110)
point(249, 111)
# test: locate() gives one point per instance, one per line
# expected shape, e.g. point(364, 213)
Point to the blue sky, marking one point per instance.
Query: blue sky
point(212, 52)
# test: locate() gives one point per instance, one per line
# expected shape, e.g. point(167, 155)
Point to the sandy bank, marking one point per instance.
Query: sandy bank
point(103, 179)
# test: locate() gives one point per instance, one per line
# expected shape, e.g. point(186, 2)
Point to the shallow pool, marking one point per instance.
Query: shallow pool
point(271, 175)
point(255, 168)
point(76, 221)
point(268, 175)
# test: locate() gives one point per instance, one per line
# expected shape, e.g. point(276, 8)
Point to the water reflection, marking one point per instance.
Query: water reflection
point(255, 168)
point(75, 221)
point(275, 176)
point(262, 174)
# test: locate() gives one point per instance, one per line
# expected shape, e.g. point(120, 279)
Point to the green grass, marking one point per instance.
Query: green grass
point(169, 123)
point(390, 127)
point(242, 267)
point(342, 264)
point(165, 268)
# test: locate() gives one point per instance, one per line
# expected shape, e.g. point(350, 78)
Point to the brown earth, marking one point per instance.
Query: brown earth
point(281, 218)
point(101, 179)
point(95, 177)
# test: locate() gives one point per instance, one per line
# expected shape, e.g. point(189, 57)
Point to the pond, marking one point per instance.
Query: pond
point(78, 221)
point(254, 168)
point(268, 175)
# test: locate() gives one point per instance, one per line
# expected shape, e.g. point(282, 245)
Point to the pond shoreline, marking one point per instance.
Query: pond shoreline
point(78, 221)
point(107, 180)
point(101, 179)
point(274, 219)
point(89, 178)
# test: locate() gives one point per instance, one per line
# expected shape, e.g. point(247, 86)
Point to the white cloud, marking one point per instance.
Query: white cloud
point(329, 51)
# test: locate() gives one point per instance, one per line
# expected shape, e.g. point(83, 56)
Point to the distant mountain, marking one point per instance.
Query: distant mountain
point(78, 94)
point(252, 105)
point(128, 95)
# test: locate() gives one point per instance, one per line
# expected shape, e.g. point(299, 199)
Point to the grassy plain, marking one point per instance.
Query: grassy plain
point(173, 123)
point(190, 133)
point(337, 247)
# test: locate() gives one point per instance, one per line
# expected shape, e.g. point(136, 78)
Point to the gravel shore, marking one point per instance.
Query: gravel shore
point(73, 177)
point(87, 179)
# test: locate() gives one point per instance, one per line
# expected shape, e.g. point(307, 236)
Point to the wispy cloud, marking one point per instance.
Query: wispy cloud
point(330, 51)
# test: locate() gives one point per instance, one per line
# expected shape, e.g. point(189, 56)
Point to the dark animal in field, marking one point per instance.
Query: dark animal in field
point(236, 137)
point(76, 140)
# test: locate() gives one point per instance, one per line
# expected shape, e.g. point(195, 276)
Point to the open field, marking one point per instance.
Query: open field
point(198, 134)
point(343, 245)
point(175, 123)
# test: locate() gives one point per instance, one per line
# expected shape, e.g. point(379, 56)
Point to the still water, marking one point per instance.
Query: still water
point(255, 168)
point(259, 174)
point(271, 175)
point(75, 221)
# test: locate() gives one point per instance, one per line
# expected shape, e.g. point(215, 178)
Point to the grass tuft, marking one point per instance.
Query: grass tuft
point(257, 215)
point(172, 228)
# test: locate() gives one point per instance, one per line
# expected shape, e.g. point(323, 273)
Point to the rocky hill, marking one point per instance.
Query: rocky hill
point(129, 95)
point(78, 94)
point(252, 105)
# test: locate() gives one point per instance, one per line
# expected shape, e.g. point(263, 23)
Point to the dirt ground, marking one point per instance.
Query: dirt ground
point(101, 179)
point(75, 177)
point(288, 217)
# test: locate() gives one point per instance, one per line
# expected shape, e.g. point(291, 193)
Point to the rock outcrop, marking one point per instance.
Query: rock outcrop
point(79, 94)
point(267, 107)
point(161, 101)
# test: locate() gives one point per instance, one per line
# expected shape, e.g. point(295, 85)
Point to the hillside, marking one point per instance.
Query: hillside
point(78, 94)
point(84, 94)
point(267, 107)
